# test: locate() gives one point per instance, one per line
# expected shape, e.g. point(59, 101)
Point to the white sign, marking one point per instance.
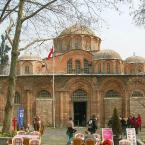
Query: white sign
point(131, 135)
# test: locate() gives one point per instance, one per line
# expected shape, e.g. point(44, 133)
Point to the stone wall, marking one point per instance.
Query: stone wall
point(44, 110)
point(137, 106)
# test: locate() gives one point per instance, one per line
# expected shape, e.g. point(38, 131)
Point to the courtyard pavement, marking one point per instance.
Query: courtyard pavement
point(57, 136)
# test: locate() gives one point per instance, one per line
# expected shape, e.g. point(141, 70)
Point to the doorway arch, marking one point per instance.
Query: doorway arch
point(79, 99)
point(112, 100)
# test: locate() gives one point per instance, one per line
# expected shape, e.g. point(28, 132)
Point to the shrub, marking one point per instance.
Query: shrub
point(116, 124)
point(13, 133)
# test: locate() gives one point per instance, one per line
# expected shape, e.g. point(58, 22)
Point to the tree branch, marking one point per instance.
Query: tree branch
point(33, 42)
point(9, 29)
point(7, 35)
point(37, 11)
point(4, 9)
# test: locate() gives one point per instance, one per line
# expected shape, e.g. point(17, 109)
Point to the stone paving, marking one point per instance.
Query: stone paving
point(57, 136)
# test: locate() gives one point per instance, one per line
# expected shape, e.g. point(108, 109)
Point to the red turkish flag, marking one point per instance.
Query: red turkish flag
point(50, 55)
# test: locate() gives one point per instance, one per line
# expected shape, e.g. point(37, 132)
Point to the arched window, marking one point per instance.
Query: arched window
point(78, 66)
point(79, 95)
point(112, 93)
point(108, 68)
point(27, 69)
point(99, 68)
point(117, 68)
point(104, 68)
point(68, 45)
point(17, 99)
point(86, 66)
point(77, 43)
point(69, 66)
point(87, 43)
point(44, 95)
point(137, 94)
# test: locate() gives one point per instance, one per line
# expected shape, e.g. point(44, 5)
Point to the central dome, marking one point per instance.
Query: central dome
point(77, 29)
point(107, 54)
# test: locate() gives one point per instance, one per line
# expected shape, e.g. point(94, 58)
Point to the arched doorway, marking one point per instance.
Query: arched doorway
point(79, 99)
point(112, 100)
point(44, 106)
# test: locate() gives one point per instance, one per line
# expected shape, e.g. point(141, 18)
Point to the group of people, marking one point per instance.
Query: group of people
point(91, 128)
point(131, 122)
point(134, 122)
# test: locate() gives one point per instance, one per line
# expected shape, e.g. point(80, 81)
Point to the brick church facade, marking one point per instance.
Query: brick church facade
point(87, 81)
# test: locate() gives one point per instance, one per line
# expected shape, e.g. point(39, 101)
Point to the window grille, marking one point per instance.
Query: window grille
point(69, 66)
point(27, 70)
point(78, 66)
point(112, 93)
point(79, 95)
point(44, 95)
point(137, 94)
point(104, 68)
point(108, 68)
point(17, 99)
point(86, 66)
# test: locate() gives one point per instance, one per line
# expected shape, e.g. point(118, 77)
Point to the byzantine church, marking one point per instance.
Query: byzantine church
point(80, 80)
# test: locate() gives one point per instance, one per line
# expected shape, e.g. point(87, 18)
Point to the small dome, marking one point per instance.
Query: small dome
point(77, 29)
point(135, 59)
point(30, 57)
point(107, 54)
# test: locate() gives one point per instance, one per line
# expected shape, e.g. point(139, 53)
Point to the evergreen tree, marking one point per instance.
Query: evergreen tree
point(116, 124)
point(4, 49)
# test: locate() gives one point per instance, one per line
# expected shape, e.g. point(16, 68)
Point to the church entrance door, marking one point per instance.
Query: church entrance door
point(80, 114)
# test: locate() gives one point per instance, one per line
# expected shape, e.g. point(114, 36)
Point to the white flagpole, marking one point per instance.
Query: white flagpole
point(53, 64)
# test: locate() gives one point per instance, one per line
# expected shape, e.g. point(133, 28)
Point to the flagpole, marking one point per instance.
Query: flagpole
point(53, 85)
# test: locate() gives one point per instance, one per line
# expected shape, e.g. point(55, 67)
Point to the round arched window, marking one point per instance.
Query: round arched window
point(44, 95)
point(112, 93)
point(137, 94)
point(79, 95)
point(17, 99)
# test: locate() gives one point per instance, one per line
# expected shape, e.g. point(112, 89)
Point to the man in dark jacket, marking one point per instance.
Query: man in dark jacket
point(92, 124)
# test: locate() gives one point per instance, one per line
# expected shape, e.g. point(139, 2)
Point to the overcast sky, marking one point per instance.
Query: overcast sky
point(122, 34)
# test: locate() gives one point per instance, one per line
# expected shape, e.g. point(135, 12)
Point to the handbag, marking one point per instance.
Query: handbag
point(71, 130)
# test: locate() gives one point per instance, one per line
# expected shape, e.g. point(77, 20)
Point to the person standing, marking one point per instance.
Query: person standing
point(92, 124)
point(34, 122)
point(139, 121)
point(38, 123)
point(70, 130)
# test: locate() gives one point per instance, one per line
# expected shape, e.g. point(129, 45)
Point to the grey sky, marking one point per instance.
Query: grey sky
point(120, 34)
point(123, 35)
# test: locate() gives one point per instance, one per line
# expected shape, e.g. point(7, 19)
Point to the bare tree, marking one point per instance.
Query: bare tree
point(44, 18)
point(139, 14)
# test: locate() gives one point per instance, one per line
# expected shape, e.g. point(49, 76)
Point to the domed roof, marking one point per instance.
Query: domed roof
point(107, 54)
point(77, 29)
point(135, 59)
point(29, 56)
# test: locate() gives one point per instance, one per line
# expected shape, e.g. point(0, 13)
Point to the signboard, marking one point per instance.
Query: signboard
point(107, 134)
point(131, 135)
point(20, 117)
